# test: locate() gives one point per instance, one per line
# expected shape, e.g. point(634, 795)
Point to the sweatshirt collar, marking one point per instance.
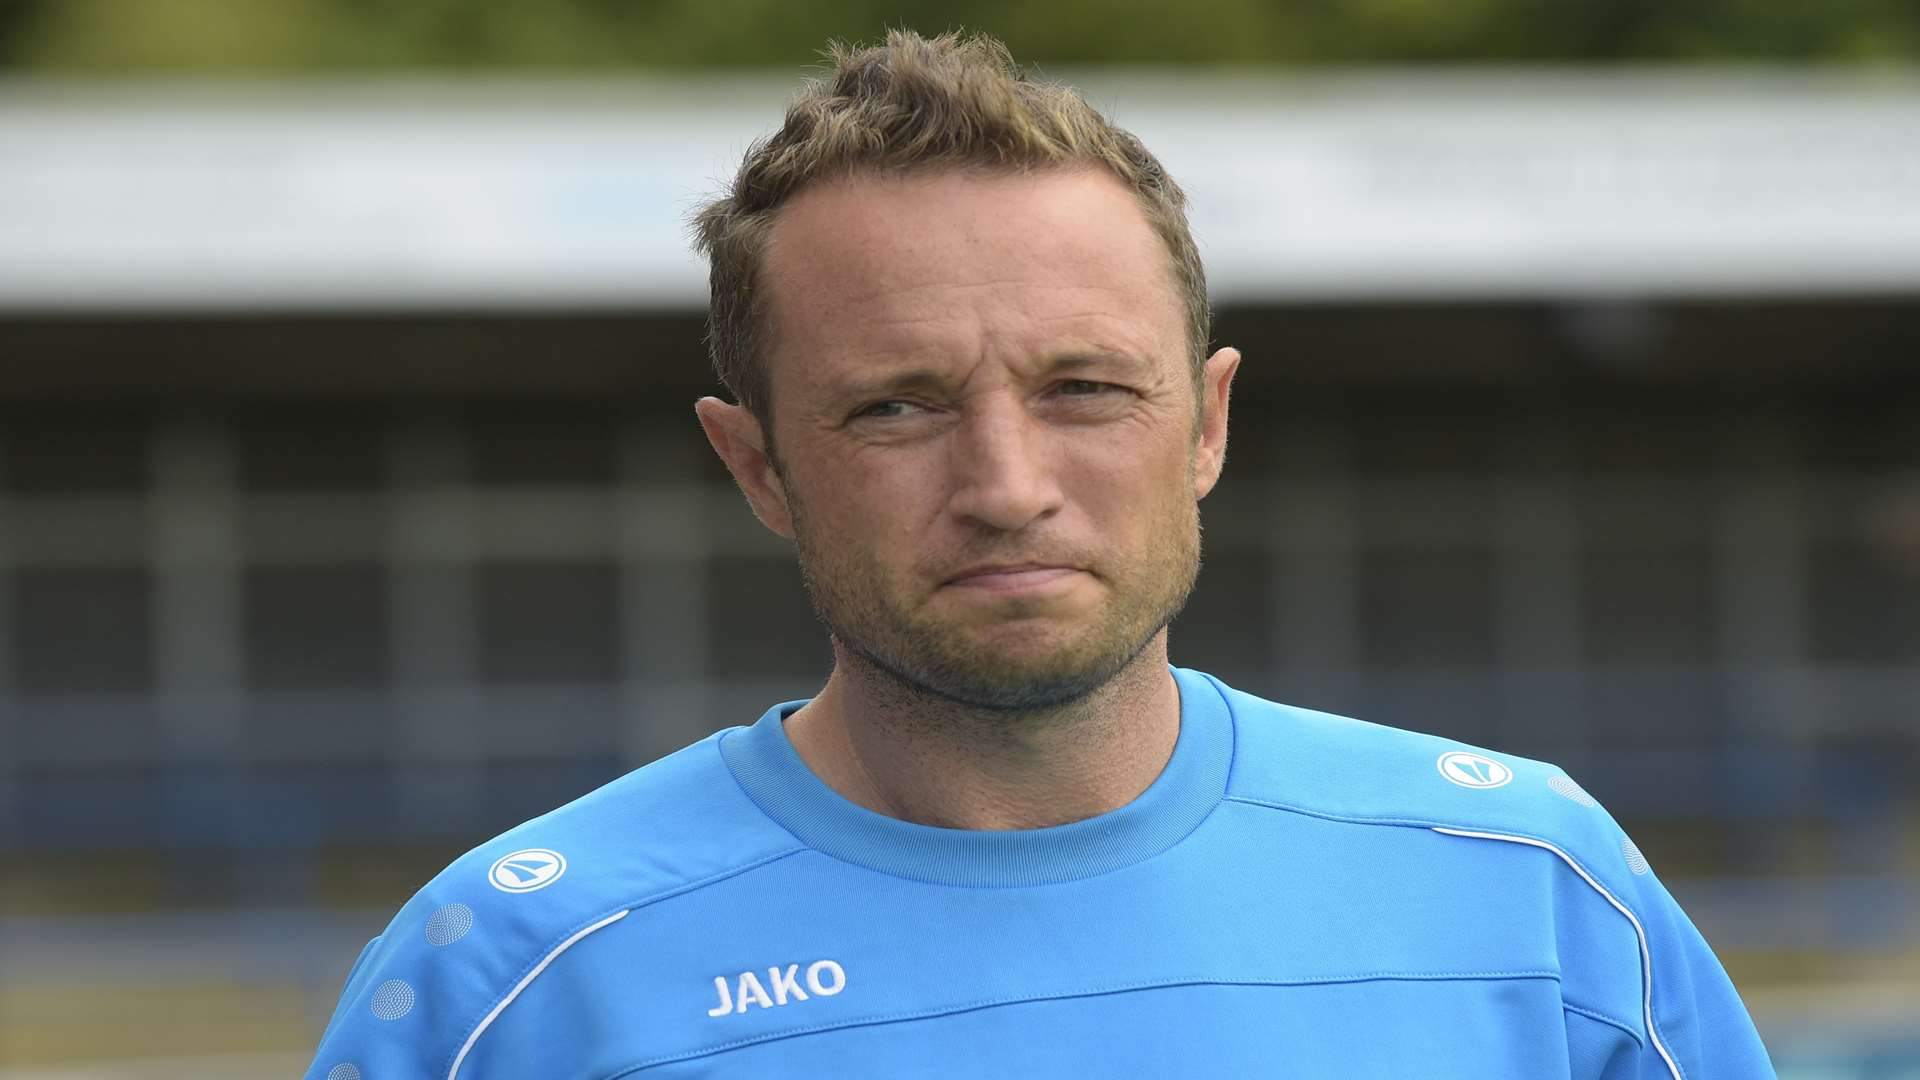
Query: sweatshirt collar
point(1193, 782)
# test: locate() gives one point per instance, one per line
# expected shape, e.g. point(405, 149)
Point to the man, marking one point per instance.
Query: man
point(967, 330)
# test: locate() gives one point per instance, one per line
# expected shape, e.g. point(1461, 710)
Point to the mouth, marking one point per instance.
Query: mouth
point(1018, 577)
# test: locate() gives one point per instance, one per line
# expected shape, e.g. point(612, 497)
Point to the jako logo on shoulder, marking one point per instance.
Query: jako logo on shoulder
point(527, 870)
point(1473, 770)
point(825, 978)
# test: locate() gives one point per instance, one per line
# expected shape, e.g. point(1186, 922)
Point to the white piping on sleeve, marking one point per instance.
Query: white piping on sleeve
point(1646, 957)
point(453, 1073)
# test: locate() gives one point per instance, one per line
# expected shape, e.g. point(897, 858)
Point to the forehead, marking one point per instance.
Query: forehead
point(966, 261)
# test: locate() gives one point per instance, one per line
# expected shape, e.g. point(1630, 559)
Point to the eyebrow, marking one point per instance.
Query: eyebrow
point(926, 378)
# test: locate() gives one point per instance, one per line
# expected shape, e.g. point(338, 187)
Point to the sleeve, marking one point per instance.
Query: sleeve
point(390, 1020)
point(351, 990)
point(1646, 997)
point(1701, 1026)
point(414, 995)
point(422, 991)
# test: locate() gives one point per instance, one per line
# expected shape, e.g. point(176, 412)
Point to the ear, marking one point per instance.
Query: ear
point(1210, 450)
point(736, 436)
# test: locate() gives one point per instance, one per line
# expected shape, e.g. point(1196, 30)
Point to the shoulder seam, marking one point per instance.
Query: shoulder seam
point(1478, 832)
point(604, 917)
point(1640, 932)
point(1602, 1018)
point(1351, 819)
point(1435, 823)
point(527, 980)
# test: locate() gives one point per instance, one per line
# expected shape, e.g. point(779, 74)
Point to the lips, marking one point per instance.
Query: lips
point(1011, 577)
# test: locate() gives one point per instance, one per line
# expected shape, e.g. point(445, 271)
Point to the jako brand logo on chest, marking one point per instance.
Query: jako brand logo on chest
point(824, 978)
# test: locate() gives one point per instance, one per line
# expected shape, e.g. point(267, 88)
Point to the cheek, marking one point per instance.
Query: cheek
point(880, 508)
point(1132, 490)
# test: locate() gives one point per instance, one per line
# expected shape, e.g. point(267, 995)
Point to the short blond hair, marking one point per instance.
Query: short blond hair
point(951, 102)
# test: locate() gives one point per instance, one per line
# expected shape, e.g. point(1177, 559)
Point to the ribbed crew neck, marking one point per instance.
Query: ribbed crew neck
point(1194, 781)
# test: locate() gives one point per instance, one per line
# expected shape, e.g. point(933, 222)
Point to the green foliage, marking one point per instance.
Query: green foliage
point(310, 36)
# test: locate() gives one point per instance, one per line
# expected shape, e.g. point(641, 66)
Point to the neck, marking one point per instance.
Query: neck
point(899, 751)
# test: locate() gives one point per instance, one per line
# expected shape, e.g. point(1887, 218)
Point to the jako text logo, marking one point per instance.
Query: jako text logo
point(825, 978)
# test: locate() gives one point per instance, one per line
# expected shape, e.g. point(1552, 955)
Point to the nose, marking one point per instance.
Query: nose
point(1001, 461)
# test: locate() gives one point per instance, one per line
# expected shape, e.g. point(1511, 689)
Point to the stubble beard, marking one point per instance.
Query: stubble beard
point(922, 656)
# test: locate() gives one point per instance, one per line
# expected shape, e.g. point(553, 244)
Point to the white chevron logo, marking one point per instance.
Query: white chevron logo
point(527, 870)
point(1473, 770)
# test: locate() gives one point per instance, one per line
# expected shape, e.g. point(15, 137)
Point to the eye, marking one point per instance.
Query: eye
point(1083, 388)
point(884, 410)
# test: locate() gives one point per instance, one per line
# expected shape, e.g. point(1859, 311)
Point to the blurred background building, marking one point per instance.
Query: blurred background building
point(352, 508)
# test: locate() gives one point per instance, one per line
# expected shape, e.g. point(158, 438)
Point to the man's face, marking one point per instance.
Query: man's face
point(986, 429)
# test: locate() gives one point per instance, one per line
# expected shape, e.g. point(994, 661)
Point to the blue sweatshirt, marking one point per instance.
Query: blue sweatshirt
point(1296, 895)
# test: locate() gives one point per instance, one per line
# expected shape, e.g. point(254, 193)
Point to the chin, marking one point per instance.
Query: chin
point(1007, 691)
point(1014, 676)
